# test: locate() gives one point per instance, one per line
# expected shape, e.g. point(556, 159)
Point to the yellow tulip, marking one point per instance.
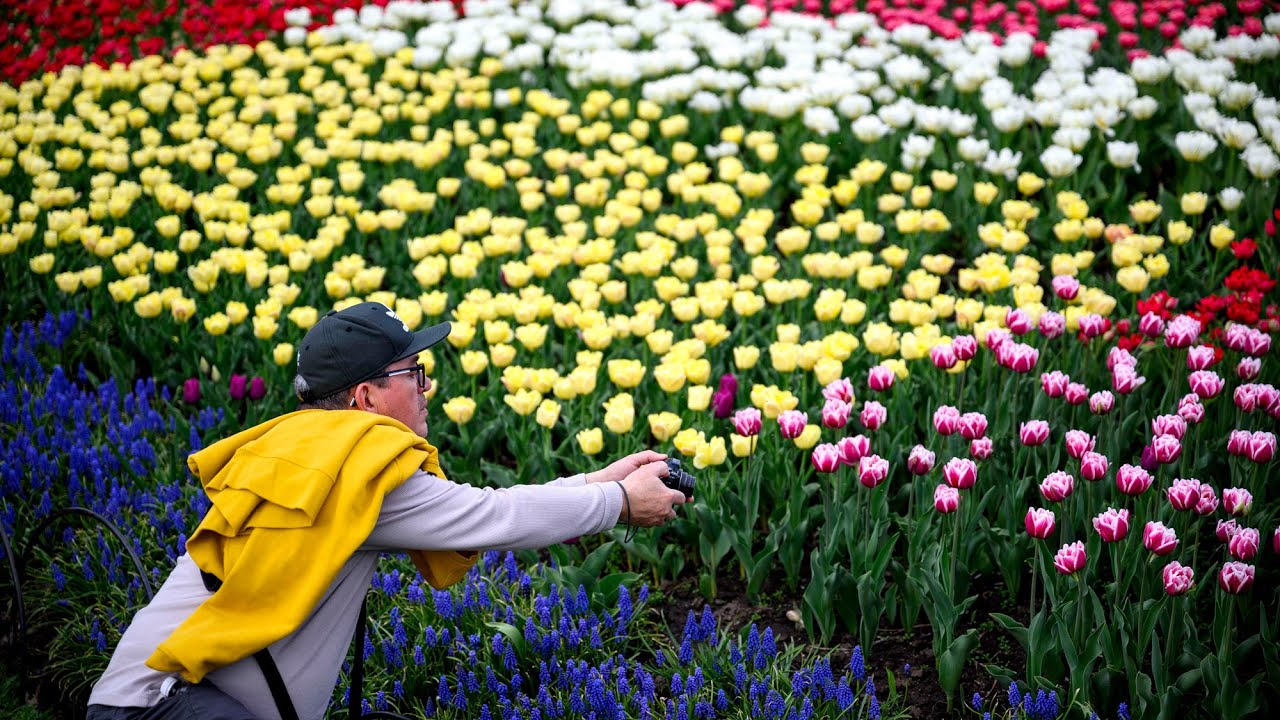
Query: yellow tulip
point(264, 327)
point(985, 193)
point(742, 446)
point(1220, 236)
point(664, 425)
point(282, 354)
point(710, 453)
point(745, 357)
point(1194, 203)
point(591, 440)
point(700, 397)
point(216, 324)
point(523, 401)
point(688, 440)
point(548, 413)
point(149, 305)
point(808, 437)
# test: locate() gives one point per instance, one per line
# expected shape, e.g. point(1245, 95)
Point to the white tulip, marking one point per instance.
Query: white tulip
point(1236, 134)
point(854, 106)
point(1261, 161)
point(920, 146)
point(898, 115)
point(973, 149)
point(295, 36)
point(1196, 38)
point(1059, 161)
point(1004, 163)
point(298, 17)
point(869, 129)
point(1195, 145)
point(1008, 119)
point(1123, 155)
point(1143, 108)
point(1230, 198)
point(705, 102)
point(821, 120)
point(749, 16)
point(1072, 138)
point(1150, 70)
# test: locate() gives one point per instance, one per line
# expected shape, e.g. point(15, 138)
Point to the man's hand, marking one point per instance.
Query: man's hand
point(624, 467)
point(651, 502)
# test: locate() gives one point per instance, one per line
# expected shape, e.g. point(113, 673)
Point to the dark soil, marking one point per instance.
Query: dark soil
point(894, 648)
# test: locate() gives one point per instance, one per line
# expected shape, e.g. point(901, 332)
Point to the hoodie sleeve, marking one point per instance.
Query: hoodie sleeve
point(427, 513)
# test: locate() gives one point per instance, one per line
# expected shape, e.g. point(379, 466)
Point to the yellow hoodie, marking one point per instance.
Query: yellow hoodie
point(293, 499)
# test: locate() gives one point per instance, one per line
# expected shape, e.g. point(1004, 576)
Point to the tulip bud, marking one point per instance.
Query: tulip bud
point(960, 473)
point(746, 422)
point(1057, 486)
point(946, 499)
point(1236, 577)
point(238, 386)
point(946, 420)
point(1093, 466)
point(880, 378)
point(1178, 578)
point(1132, 480)
point(920, 461)
point(1112, 525)
point(257, 388)
point(853, 449)
point(1102, 402)
point(873, 415)
point(981, 448)
point(1040, 523)
point(972, 425)
point(1159, 539)
point(825, 458)
point(872, 470)
point(1054, 383)
point(191, 391)
point(1237, 501)
point(791, 423)
point(1076, 394)
point(1033, 433)
point(1079, 442)
point(1243, 545)
point(1070, 559)
point(1184, 494)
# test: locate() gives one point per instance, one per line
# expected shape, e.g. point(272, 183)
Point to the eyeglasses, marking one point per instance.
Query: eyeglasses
point(417, 369)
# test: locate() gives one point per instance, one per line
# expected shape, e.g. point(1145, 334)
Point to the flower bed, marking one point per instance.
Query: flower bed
point(915, 309)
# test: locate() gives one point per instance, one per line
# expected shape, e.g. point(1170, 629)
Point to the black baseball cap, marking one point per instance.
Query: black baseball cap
point(347, 347)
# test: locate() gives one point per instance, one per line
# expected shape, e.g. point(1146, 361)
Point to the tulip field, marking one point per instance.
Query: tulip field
point(960, 313)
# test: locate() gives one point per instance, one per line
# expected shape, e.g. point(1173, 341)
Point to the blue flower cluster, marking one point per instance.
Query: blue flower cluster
point(71, 440)
point(508, 643)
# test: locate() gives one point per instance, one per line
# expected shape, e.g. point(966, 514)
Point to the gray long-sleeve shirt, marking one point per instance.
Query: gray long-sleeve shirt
point(424, 513)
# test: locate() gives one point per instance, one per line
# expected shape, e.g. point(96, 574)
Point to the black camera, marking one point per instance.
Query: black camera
point(678, 479)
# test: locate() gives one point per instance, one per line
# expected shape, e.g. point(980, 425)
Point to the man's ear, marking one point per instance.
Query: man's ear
point(360, 397)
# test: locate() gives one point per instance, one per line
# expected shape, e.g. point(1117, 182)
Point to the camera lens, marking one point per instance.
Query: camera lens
point(678, 479)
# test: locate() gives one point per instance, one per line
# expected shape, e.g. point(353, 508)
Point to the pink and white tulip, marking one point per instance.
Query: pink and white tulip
point(1076, 394)
point(1159, 539)
point(1205, 383)
point(920, 461)
point(1237, 501)
point(880, 378)
point(1065, 287)
point(1051, 324)
point(1248, 368)
point(1033, 433)
point(1125, 380)
point(1018, 321)
point(1200, 357)
point(825, 458)
point(973, 425)
point(1092, 325)
point(1236, 577)
point(960, 473)
point(1226, 529)
point(841, 390)
point(1057, 486)
point(1151, 325)
point(946, 499)
point(1262, 446)
point(943, 356)
point(1078, 443)
point(1173, 425)
point(1040, 522)
point(1093, 466)
point(1167, 449)
point(1184, 494)
point(872, 470)
point(1054, 383)
point(747, 421)
point(1070, 558)
point(791, 423)
point(1112, 525)
point(981, 448)
point(853, 449)
point(1178, 578)
point(873, 415)
point(1243, 545)
point(1102, 402)
point(966, 347)
point(835, 413)
point(946, 420)
point(1133, 480)
point(1182, 331)
point(1190, 409)
point(1208, 500)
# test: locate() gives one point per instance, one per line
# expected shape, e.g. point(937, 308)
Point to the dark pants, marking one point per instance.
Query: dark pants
point(188, 702)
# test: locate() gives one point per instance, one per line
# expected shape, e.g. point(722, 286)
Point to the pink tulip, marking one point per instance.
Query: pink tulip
point(1181, 332)
point(1151, 325)
point(238, 387)
point(1112, 525)
point(1257, 343)
point(1054, 383)
point(1190, 409)
point(1236, 577)
point(746, 422)
point(943, 356)
point(997, 338)
point(966, 347)
point(1102, 402)
point(257, 388)
point(1199, 357)
point(1079, 442)
point(1205, 383)
point(841, 390)
point(1248, 368)
point(1244, 544)
point(946, 499)
point(1184, 494)
point(880, 378)
point(872, 470)
point(1093, 466)
point(946, 420)
point(1132, 480)
point(792, 422)
point(1238, 442)
point(1275, 541)
point(1092, 325)
point(981, 448)
point(1119, 356)
point(1208, 500)
point(1268, 399)
point(1167, 449)
point(835, 414)
point(1226, 529)
point(1021, 358)
point(1245, 397)
point(973, 425)
point(1237, 501)
point(1033, 433)
point(1040, 523)
point(1262, 446)
point(1178, 578)
point(191, 391)
point(1169, 425)
point(1070, 559)
point(873, 415)
point(1125, 380)
point(1076, 394)
point(1159, 539)
point(825, 458)
point(1018, 321)
point(1057, 486)
point(1065, 286)
point(1237, 336)
point(960, 473)
point(1051, 324)
point(853, 449)
point(921, 460)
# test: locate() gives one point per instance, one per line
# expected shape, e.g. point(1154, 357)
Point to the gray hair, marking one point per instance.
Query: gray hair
point(340, 400)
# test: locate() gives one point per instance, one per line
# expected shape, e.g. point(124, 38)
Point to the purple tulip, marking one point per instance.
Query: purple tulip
point(257, 388)
point(191, 391)
point(238, 387)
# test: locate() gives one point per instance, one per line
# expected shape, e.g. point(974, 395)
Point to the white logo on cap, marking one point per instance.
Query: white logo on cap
point(392, 314)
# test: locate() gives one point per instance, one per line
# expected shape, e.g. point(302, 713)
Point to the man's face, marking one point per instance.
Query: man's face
point(399, 397)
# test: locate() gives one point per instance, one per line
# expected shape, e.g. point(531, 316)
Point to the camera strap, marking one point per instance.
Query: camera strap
point(275, 682)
